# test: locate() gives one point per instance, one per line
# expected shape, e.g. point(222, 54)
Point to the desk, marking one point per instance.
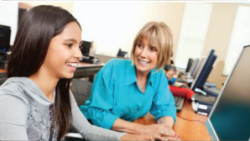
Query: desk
point(83, 70)
point(3, 73)
point(87, 70)
point(187, 130)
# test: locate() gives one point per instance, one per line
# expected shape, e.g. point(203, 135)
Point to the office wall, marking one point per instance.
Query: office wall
point(8, 17)
point(114, 25)
point(66, 5)
point(218, 37)
point(9, 13)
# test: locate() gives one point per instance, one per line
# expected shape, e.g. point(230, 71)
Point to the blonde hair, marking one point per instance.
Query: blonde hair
point(158, 35)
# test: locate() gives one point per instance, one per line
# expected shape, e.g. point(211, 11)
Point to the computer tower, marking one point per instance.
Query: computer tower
point(4, 38)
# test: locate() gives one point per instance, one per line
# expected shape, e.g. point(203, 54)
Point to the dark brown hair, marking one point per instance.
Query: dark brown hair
point(36, 30)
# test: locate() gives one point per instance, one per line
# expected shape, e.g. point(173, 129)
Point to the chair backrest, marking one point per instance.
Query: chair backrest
point(81, 90)
point(3, 77)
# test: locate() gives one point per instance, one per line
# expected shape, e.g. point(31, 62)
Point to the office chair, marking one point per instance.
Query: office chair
point(3, 77)
point(81, 90)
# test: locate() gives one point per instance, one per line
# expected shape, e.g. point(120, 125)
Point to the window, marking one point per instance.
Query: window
point(239, 38)
point(193, 32)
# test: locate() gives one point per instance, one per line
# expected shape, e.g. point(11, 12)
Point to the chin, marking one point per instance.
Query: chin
point(142, 69)
point(68, 76)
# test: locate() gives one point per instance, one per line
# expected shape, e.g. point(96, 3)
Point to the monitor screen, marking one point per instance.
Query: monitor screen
point(193, 67)
point(230, 117)
point(4, 38)
point(198, 67)
point(189, 64)
point(204, 71)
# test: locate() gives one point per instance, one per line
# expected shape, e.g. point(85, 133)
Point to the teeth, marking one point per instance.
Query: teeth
point(72, 64)
point(143, 62)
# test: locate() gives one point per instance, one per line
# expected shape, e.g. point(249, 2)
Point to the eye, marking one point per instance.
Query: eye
point(69, 45)
point(139, 45)
point(153, 49)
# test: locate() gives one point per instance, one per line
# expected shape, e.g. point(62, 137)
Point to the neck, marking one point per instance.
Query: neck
point(141, 75)
point(142, 80)
point(45, 82)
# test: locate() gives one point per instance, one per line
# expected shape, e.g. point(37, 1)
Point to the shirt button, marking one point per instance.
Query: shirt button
point(51, 107)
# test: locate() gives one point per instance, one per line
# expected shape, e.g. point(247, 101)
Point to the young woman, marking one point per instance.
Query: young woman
point(35, 102)
point(125, 90)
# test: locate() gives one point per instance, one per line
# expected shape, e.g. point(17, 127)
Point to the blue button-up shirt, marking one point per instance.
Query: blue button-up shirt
point(116, 94)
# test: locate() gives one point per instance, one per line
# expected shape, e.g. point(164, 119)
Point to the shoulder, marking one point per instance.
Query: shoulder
point(158, 74)
point(159, 78)
point(115, 65)
point(118, 62)
point(12, 90)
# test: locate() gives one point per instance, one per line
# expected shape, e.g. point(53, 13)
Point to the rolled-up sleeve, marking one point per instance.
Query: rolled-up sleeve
point(163, 101)
point(100, 104)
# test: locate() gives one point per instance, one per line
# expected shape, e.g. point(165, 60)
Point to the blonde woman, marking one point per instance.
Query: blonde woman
point(125, 90)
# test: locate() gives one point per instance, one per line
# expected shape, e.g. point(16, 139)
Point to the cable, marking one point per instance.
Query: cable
point(191, 119)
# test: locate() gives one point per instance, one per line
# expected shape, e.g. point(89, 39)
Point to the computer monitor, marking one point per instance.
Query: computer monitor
point(85, 48)
point(193, 68)
point(202, 74)
point(207, 72)
point(121, 53)
point(230, 116)
point(198, 67)
point(4, 38)
point(189, 64)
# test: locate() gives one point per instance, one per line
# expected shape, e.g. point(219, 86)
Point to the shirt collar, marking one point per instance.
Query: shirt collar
point(131, 75)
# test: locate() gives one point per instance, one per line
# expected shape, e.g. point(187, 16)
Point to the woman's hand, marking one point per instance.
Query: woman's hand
point(139, 137)
point(159, 131)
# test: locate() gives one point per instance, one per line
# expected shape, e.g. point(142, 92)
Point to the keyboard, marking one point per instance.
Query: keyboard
point(179, 102)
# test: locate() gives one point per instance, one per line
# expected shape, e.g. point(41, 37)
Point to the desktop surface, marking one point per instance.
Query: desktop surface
point(187, 130)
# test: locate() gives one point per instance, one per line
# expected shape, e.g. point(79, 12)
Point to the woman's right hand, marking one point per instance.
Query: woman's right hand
point(139, 137)
point(158, 131)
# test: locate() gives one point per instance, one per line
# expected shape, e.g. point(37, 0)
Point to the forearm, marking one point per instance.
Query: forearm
point(126, 126)
point(166, 120)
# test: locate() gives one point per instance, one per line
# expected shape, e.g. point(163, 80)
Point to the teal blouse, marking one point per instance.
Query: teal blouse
point(115, 94)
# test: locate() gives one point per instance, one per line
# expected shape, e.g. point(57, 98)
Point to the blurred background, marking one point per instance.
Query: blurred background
point(197, 27)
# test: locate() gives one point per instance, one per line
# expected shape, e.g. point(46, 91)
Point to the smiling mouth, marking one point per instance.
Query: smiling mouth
point(72, 65)
point(143, 62)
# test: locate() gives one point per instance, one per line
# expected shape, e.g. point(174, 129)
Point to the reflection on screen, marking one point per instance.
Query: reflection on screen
point(231, 117)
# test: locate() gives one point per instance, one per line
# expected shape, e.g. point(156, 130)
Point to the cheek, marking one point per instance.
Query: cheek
point(154, 57)
point(137, 51)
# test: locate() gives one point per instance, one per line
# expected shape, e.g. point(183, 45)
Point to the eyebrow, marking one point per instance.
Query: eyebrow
point(73, 40)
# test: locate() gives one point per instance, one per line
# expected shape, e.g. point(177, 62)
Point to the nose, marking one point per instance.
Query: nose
point(78, 54)
point(144, 52)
